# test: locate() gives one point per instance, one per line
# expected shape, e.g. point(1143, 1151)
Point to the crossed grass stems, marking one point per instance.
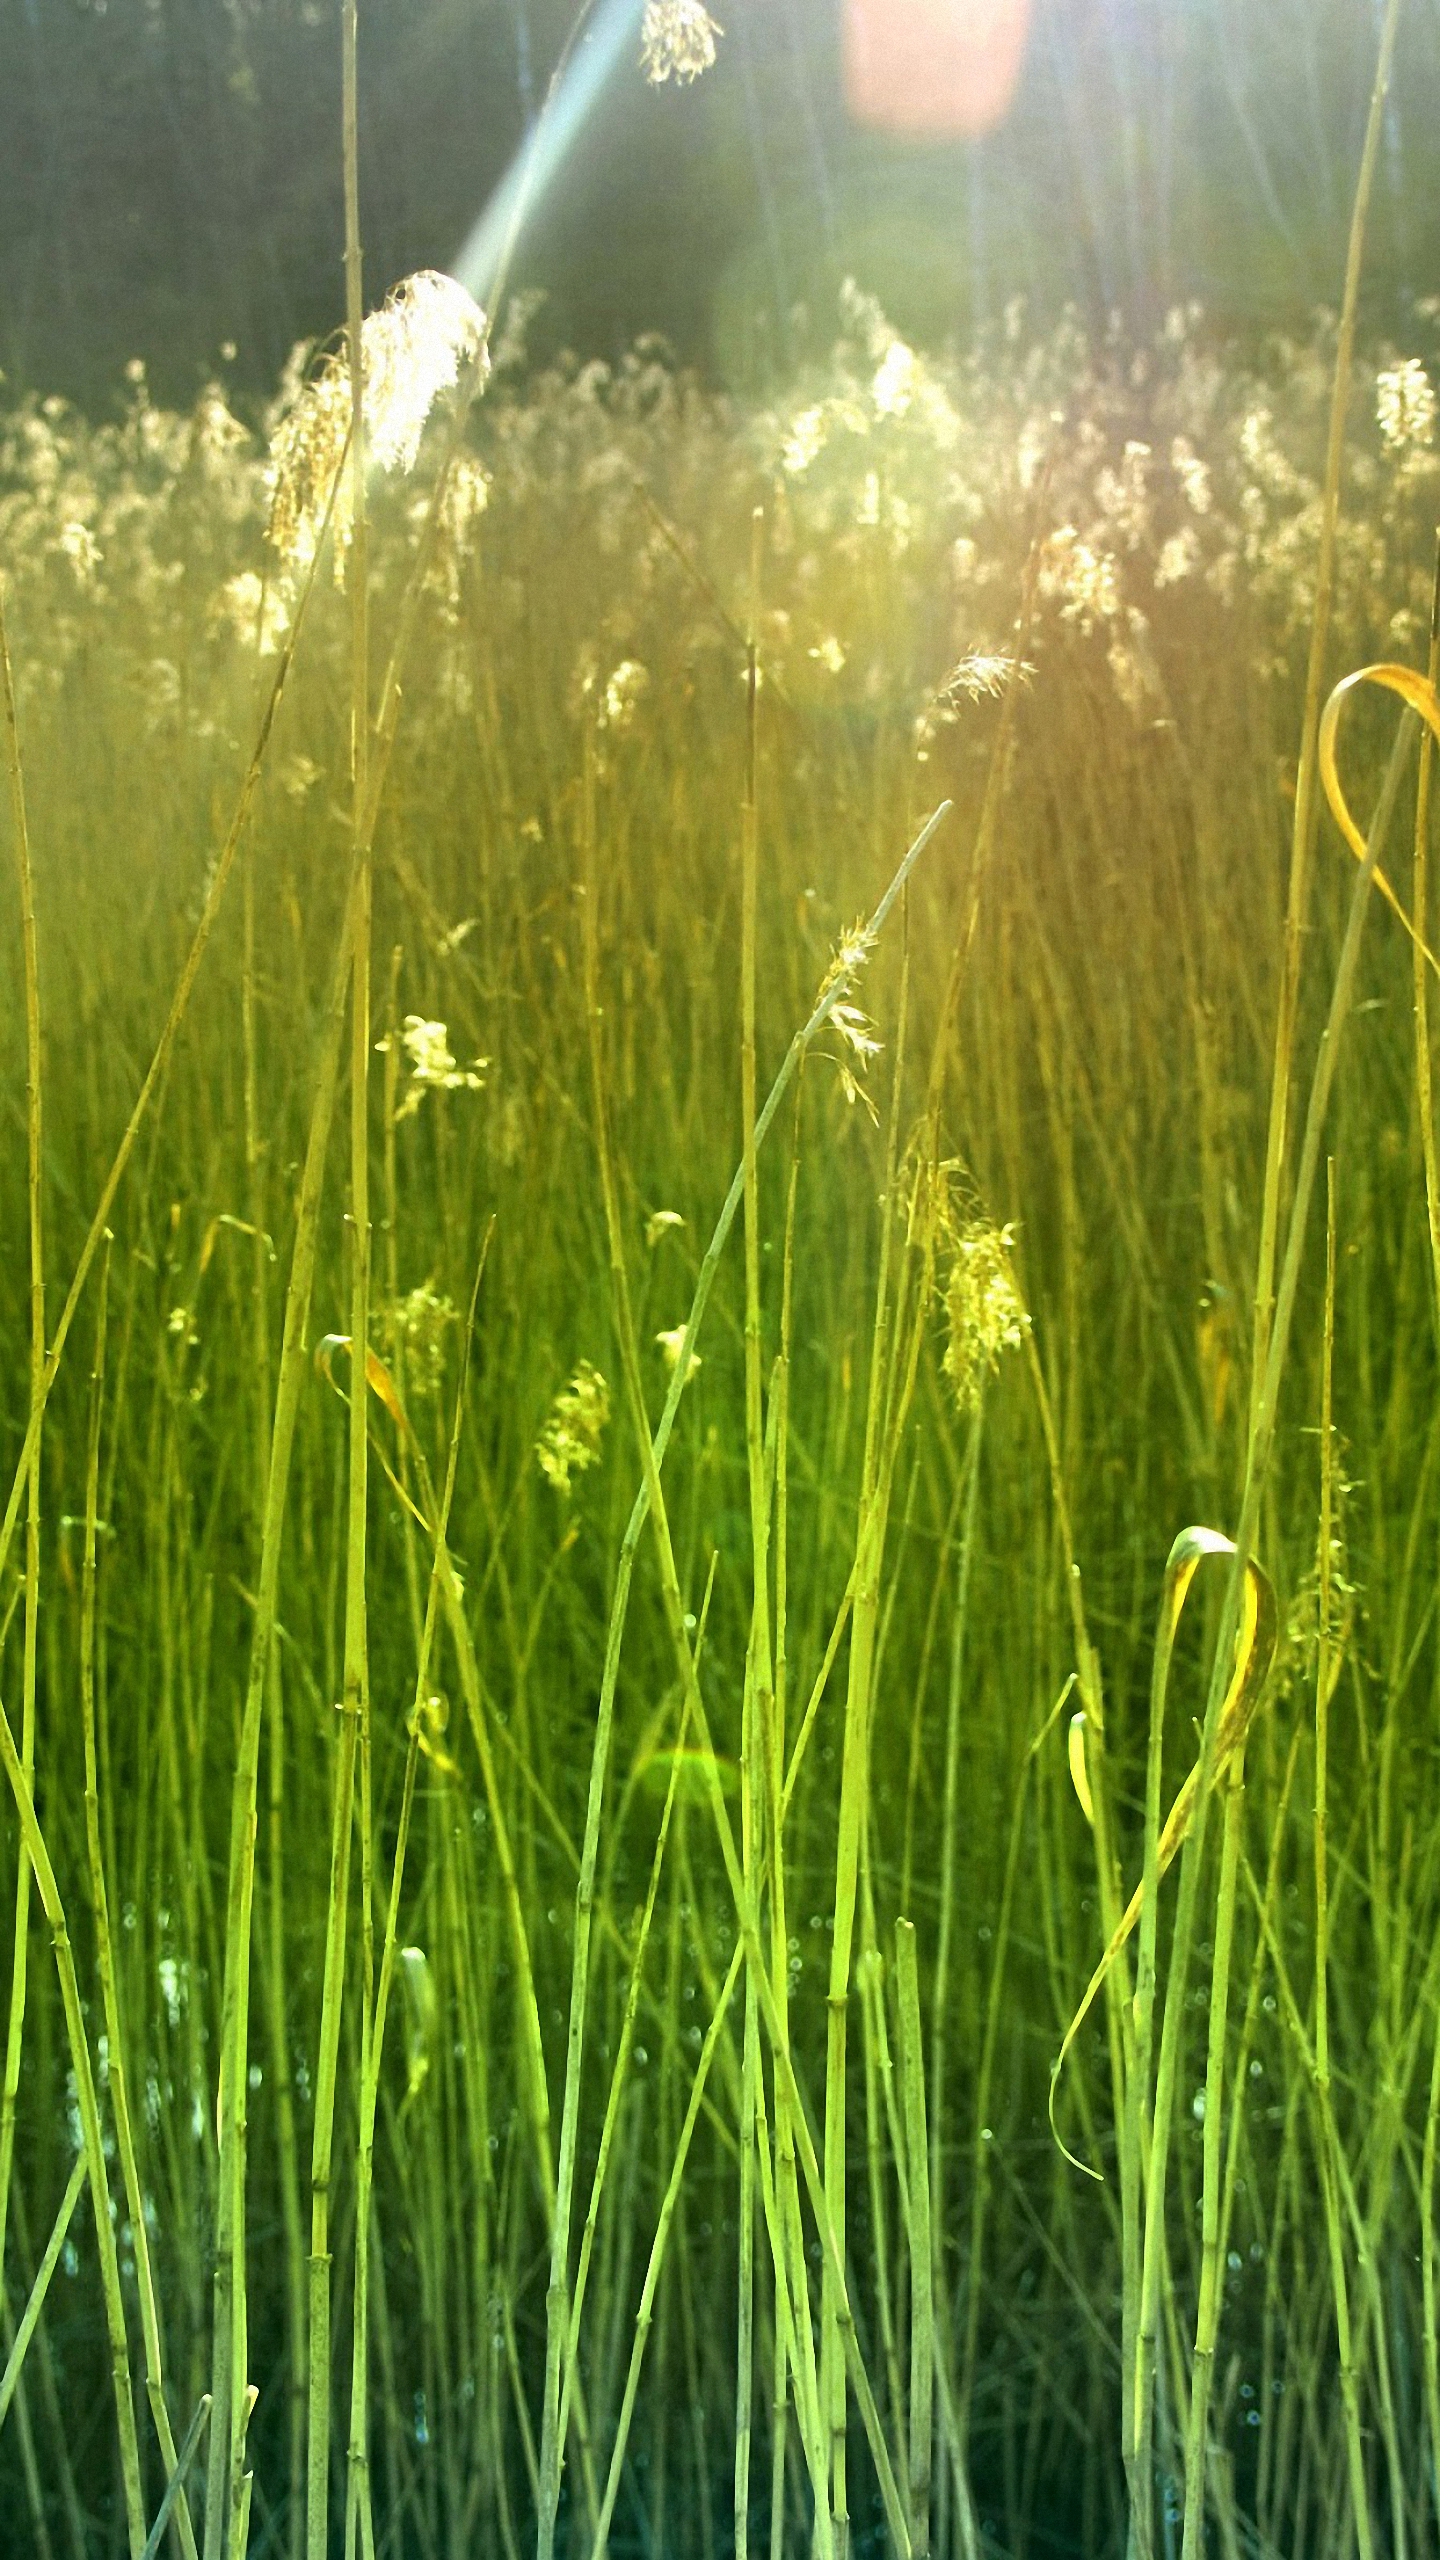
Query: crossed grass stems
point(800, 2333)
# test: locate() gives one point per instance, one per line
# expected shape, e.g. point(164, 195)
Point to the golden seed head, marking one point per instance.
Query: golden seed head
point(413, 348)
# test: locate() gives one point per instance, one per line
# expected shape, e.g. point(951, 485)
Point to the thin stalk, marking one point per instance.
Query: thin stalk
point(653, 1452)
point(892, 1374)
point(1306, 803)
point(1327, 1667)
point(229, 2355)
point(794, 2337)
point(1340, 2207)
point(833, 2264)
point(30, 2316)
point(228, 2387)
point(557, 2299)
point(175, 2485)
point(624, 2046)
point(790, 2306)
point(1140, 2343)
point(29, 2460)
point(997, 773)
point(949, 1858)
point(652, 1505)
point(1327, 1672)
point(645, 2313)
point(218, 881)
point(918, 2232)
point(534, 2085)
point(117, 2074)
point(358, 2512)
point(1430, 2328)
point(28, 1475)
point(1088, 1730)
point(275, 1969)
point(19, 1959)
point(1421, 983)
point(354, 1739)
point(759, 1699)
point(1256, 1478)
point(879, 2084)
point(745, 2280)
point(984, 2144)
point(92, 2139)
point(1207, 2318)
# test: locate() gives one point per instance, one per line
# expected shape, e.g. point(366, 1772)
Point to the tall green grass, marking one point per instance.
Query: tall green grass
point(600, 1806)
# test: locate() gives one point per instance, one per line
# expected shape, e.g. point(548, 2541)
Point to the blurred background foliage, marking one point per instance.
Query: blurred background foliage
point(173, 180)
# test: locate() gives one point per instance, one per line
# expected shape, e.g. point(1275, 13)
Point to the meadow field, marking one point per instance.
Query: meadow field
point(607, 1378)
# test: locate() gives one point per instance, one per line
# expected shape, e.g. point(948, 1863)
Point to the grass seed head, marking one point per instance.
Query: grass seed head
point(672, 1343)
point(859, 1041)
point(620, 699)
point(984, 1311)
point(414, 347)
point(432, 1066)
point(982, 675)
point(677, 40)
point(415, 1328)
point(573, 1429)
point(1405, 407)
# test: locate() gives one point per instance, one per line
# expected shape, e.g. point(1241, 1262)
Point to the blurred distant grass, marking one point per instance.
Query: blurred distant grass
point(559, 929)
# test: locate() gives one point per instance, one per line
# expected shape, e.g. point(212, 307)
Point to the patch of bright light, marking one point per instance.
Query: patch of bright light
point(933, 68)
point(615, 32)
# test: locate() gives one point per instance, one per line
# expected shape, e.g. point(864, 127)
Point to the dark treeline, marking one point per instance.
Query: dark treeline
point(173, 178)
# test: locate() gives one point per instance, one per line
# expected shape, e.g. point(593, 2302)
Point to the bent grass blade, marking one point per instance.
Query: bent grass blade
point(1254, 1649)
point(1419, 695)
